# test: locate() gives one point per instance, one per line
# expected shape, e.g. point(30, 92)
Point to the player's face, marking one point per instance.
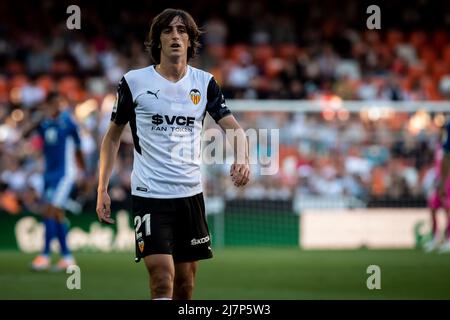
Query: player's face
point(175, 39)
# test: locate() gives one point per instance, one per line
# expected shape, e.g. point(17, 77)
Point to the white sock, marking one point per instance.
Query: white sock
point(162, 299)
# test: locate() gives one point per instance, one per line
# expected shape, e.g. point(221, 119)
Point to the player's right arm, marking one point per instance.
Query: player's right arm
point(445, 168)
point(108, 152)
point(109, 148)
point(33, 125)
point(445, 164)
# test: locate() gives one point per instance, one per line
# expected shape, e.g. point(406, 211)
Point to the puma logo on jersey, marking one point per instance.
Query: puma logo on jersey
point(153, 93)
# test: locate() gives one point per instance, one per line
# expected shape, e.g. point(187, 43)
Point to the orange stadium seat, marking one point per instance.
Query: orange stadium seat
point(440, 39)
point(418, 39)
point(287, 51)
point(262, 53)
point(394, 38)
point(45, 82)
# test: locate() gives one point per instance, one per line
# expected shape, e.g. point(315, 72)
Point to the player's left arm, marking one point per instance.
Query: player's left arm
point(240, 170)
point(217, 108)
point(78, 152)
point(80, 160)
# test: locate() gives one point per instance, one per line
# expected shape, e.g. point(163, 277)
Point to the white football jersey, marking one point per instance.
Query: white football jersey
point(166, 120)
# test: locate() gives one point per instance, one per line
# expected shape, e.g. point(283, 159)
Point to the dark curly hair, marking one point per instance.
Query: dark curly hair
point(161, 21)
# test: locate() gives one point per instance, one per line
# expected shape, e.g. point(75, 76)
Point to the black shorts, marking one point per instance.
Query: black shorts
point(171, 226)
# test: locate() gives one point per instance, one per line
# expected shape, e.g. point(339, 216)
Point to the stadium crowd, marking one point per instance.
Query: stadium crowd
point(295, 50)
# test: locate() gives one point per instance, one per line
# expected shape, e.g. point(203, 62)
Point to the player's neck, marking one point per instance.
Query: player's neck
point(172, 71)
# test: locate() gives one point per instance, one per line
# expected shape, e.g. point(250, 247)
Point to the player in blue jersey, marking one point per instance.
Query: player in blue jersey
point(444, 191)
point(62, 153)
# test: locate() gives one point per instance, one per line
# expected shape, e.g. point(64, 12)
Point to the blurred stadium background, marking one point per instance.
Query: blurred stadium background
point(359, 114)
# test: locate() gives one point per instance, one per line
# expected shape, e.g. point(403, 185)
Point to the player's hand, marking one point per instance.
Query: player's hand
point(104, 208)
point(240, 174)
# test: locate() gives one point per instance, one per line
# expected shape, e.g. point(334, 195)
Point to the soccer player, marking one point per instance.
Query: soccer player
point(165, 104)
point(435, 202)
point(444, 184)
point(62, 153)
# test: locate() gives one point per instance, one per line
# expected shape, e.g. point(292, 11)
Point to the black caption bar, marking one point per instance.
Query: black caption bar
point(220, 309)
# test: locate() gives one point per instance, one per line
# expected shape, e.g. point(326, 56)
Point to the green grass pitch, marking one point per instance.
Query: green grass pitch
point(244, 273)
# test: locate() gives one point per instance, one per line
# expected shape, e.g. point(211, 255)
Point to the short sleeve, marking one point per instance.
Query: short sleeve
point(123, 106)
point(216, 105)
